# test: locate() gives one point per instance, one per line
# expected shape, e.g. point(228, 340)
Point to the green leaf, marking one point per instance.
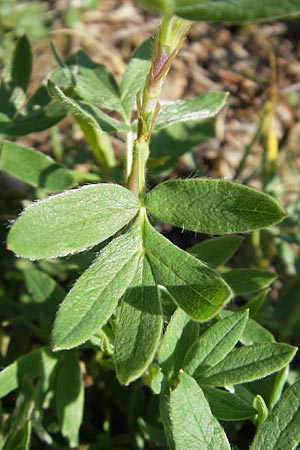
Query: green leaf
point(248, 363)
point(217, 251)
point(270, 387)
point(164, 409)
point(135, 75)
point(245, 281)
point(70, 397)
point(165, 7)
point(193, 425)
point(20, 440)
point(169, 144)
point(228, 406)
point(197, 289)
point(46, 292)
point(100, 144)
point(94, 83)
point(34, 167)
point(88, 113)
point(256, 302)
point(36, 363)
point(214, 344)
point(254, 333)
point(197, 109)
point(212, 206)
point(72, 221)
point(281, 428)
point(233, 11)
point(22, 63)
point(180, 334)
point(262, 411)
point(139, 326)
point(33, 120)
point(95, 295)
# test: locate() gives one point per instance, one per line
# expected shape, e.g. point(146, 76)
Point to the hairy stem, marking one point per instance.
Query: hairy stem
point(167, 44)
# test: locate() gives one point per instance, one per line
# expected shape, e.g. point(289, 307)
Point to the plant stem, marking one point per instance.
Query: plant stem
point(167, 44)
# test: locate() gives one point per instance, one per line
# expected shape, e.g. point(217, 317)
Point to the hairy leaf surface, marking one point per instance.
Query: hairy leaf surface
point(95, 295)
point(139, 326)
point(212, 206)
point(72, 221)
point(197, 109)
point(196, 288)
point(214, 344)
point(281, 428)
point(193, 425)
point(248, 363)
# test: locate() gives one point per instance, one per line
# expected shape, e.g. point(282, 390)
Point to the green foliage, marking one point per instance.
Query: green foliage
point(34, 168)
point(72, 221)
point(226, 11)
point(212, 206)
point(181, 322)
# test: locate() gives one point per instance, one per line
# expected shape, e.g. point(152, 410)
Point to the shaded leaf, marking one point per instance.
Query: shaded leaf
point(34, 167)
point(20, 440)
point(139, 326)
point(218, 250)
point(70, 397)
point(228, 406)
point(46, 292)
point(281, 428)
point(22, 63)
point(169, 144)
point(245, 281)
point(180, 334)
point(254, 333)
point(36, 363)
point(33, 120)
point(193, 425)
point(196, 288)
